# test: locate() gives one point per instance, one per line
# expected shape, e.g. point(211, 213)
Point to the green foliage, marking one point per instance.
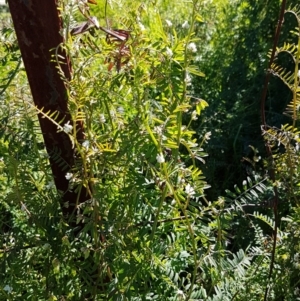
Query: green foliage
point(150, 231)
point(138, 161)
point(236, 36)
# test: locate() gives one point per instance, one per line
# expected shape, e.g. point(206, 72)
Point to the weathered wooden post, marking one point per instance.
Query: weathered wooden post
point(38, 25)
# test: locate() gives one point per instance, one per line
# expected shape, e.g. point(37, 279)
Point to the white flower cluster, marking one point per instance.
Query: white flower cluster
point(69, 176)
point(192, 47)
point(194, 115)
point(160, 158)
point(169, 23)
point(169, 52)
point(86, 144)
point(102, 118)
point(190, 191)
point(188, 79)
point(185, 25)
point(180, 295)
point(67, 127)
point(142, 27)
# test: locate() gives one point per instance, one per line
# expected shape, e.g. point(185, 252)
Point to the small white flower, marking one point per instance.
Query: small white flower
point(169, 23)
point(188, 79)
point(169, 52)
point(102, 118)
point(67, 127)
point(185, 25)
point(299, 73)
point(194, 115)
point(148, 182)
point(160, 158)
point(180, 295)
point(207, 135)
point(256, 158)
point(120, 110)
point(142, 27)
point(86, 144)
point(192, 47)
point(189, 190)
point(69, 175)
point(7, 288)
point(158, 130)
point(50, 185)
point(95, 21)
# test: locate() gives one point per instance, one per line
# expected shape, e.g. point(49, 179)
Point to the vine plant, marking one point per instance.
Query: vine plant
point(136, 161)
point(131, 154)
point(282, 144)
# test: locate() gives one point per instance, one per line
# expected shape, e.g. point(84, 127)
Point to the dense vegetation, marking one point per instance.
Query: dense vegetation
point(190, 195)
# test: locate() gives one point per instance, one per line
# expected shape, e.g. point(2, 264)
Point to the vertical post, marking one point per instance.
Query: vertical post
point(38, 26)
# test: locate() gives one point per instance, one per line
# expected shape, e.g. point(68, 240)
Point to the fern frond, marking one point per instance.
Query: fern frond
point(238, 264)
point(293, 108)
point(264, 218)
point(284, 136)
point(287, 77)
point(288, 48)
point(295, 10)
point(250, 193)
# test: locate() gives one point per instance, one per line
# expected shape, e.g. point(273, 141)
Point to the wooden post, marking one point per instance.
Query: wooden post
point(38, 28)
